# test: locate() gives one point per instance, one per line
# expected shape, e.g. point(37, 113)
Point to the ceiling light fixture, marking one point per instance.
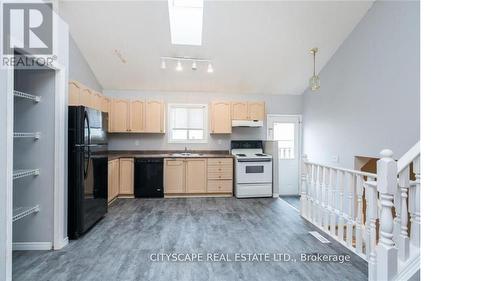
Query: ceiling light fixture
point(194, 62)
point(179, 66)
point(186, 21)
point(314, 82)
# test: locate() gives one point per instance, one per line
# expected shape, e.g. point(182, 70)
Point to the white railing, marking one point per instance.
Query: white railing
point(349, 205)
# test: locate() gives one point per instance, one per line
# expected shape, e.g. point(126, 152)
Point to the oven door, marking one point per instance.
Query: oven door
point(254, 171)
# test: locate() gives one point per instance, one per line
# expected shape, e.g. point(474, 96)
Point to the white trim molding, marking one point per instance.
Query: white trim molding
point(32, 246)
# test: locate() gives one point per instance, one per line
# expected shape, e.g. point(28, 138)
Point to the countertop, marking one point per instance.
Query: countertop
point(115, 154)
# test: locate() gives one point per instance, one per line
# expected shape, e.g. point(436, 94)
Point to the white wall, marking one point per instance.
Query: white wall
point(275, 104)
point(369, 96)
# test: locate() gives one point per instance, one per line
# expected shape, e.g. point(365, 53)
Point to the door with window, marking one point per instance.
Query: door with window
point(285, 129)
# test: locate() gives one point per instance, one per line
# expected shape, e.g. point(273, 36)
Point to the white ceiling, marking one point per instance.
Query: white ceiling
point(257, 47)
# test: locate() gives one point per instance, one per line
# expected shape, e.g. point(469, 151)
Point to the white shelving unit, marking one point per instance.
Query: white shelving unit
point(22, 212)
point(23, 95)
point(25, 209)
point(21, 173)
point(34, 135)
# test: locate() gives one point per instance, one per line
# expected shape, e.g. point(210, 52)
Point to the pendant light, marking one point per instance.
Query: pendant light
point(314, 83)
point(179, 66)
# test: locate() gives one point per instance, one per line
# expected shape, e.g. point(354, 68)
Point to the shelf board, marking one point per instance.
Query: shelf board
point(34, 135)
point(23, 95)
point(21, 212)
point(21, 173)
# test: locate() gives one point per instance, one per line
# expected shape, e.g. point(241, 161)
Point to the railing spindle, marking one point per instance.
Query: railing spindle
point(321, 203)
point(303, 188)
point(312, 185)
point(341, 180)
point(333, 214)
point(350, 208)
point(415, 217)
point(372, 213)
point(359, 214)
point(404, 240)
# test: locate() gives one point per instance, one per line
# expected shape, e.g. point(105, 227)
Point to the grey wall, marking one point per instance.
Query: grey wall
point(275, 104)
point(79, 69)
point(369, 96)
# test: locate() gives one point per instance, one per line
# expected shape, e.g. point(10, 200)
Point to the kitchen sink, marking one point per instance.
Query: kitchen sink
point(185, 154)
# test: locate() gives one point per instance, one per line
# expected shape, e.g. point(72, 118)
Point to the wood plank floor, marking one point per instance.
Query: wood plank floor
point(120, 245)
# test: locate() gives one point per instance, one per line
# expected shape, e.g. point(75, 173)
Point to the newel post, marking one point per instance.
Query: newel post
point(303, 188)
point(387, 256)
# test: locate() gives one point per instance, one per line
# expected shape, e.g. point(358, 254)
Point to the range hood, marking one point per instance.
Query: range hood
point(248, 123)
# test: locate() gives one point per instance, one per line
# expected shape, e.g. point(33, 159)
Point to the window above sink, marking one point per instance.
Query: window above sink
point(187, 123)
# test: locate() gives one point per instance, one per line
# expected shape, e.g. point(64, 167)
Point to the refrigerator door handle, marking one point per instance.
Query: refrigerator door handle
point(88, 127)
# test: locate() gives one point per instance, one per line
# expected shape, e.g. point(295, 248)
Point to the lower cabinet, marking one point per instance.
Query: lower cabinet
point(113, 179)
point(220, 175)
point(174, 175)
point(126, 176)
point(198, 176)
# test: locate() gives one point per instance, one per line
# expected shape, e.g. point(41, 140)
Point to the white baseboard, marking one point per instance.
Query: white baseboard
point(31, 246)
point(276, 195)
point(61, 244)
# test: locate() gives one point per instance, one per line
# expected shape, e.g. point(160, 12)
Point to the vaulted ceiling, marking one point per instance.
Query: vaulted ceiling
point(257, 47)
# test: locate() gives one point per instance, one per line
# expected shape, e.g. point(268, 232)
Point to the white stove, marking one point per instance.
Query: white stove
point(253, 170)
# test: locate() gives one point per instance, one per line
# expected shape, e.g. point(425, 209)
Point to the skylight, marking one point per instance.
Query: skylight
point(186, 21)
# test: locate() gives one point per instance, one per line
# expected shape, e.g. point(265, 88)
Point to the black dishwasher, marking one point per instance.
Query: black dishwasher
point(148, 177)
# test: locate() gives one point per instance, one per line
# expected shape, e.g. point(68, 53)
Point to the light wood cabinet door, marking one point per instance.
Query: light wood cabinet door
point(196, 175)
point(118, 117)
point(136, 116)
point(86, 97)
point(110, 181)
point(113, 179)
point(95, 100)
point(174, 180)
point(256, 111)
point(74, 93)
point(105, 104)
point(221, 117)
point(116, 177)
point(239, 110)
point(155, 116)
point(127, 176)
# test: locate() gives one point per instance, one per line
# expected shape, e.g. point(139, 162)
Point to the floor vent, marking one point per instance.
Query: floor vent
point(319, 237)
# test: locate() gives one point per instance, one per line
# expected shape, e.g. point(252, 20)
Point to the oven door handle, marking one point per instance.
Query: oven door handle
point(254, 160)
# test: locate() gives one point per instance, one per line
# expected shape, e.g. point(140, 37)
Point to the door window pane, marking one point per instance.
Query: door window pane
point(284, 134)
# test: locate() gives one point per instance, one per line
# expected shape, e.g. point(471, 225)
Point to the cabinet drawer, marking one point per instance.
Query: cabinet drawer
point(220, 175)
point(223, 186)
point(220, 161)
point(226, 169)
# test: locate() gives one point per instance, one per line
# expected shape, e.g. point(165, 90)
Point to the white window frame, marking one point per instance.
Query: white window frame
point(188, 105)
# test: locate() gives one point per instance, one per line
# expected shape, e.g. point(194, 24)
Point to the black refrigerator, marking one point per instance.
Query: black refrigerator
point(87, 169)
